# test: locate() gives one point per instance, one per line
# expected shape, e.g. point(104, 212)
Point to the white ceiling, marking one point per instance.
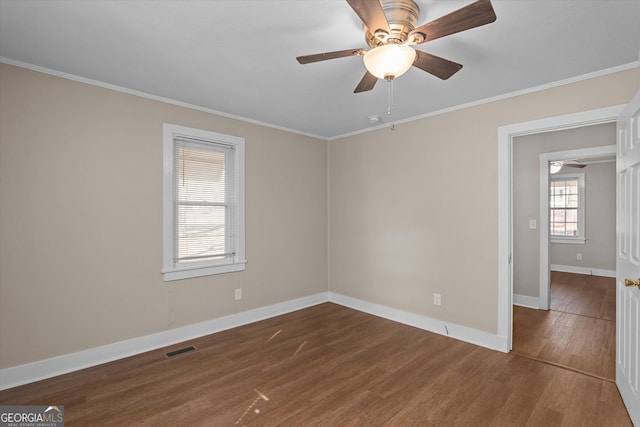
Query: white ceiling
point(238, 57)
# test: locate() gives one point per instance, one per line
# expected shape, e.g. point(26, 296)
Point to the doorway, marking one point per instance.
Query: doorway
point(595, 255)
point(574, 306)
point(506, 136)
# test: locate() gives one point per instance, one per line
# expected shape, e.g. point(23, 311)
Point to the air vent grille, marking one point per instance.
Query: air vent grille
point(180, 351)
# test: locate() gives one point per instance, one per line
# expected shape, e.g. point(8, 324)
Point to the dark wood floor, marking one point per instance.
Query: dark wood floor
point(328, 366)
point(591, 296)
point(579, 330)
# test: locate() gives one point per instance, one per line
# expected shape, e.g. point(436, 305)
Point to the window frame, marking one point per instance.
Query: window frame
point(580, 238)
point(170, 268)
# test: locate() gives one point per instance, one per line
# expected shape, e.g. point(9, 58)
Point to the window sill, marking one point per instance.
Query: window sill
point(189, 272)
point(568, 241)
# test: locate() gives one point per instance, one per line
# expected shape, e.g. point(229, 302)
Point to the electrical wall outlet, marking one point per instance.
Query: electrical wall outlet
point(238, 294)
point(579, 257)
point(437, 299)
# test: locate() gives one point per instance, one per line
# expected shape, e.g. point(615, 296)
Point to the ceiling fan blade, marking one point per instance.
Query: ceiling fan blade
point(307, 59)
point(439, 67)
point(573, 164)
point(474, 15)
point(367, 83)
point(371, 14)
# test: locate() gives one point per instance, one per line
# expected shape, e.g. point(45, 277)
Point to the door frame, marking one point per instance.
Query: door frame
point(544, 293)
point(506, 135)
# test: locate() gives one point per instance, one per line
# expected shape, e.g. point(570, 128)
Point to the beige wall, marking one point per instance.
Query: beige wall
point(411, 211)
point(414, 211)
point(81, 219)
point(598, 251)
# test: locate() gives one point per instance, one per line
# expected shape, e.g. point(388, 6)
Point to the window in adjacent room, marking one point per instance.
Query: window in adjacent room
point(203, 191)
point(566, 208)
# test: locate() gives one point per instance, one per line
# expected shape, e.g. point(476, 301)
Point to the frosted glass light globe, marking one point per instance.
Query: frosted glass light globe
point(389, 61)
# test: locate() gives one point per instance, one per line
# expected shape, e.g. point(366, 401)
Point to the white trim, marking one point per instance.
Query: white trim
point(452, 330)
point(580, 177)
point(170, 270)
point(534, 89)
point(526, 301)
point(569, 240)
point(110, 86)
point(583, 270)
point(506, 134)
point(145, 95)
point(42, 369)
point(169, 275)
point(505, 243)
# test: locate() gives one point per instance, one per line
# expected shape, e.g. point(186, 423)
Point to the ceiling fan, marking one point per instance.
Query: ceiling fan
point(556, 165)
point(390, 31)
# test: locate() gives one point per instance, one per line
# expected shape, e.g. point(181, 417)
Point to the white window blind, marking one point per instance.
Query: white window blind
point(204, 201)
point(566, 208)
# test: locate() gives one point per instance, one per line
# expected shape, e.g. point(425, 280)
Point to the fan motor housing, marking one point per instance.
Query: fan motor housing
point(402, 16)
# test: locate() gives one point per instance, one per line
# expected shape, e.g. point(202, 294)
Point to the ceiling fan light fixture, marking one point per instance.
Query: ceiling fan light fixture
point(389, 61)
point(554, 167)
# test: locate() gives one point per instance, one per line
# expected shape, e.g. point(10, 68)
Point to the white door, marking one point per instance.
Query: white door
point(628, 259)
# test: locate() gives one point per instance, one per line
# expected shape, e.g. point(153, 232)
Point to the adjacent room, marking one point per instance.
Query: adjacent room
point(575, 283)
point(244, 213)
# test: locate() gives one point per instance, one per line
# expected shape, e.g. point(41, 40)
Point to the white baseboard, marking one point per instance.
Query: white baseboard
point(47, 368)
point(526, 301)
point(452, 330)
point(583, 270)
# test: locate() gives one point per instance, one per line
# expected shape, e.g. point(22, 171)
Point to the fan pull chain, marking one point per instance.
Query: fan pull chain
point(390, 100)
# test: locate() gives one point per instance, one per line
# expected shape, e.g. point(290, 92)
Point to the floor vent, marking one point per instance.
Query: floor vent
point(180, 351)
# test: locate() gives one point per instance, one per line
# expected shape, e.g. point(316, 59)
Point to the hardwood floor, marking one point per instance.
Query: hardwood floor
point(579, 330)
point(327, 365)
point(591, 296)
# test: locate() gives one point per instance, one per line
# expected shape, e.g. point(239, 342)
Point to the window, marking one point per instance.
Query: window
point(203, 192)
point(566, 208)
